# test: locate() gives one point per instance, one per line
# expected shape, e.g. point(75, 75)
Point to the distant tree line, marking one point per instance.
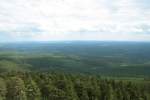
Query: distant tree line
point(56, 86)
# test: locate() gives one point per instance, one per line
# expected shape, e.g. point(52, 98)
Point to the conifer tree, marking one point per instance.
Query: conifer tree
point(16, 89)
point(3, 89)
point(32, 90)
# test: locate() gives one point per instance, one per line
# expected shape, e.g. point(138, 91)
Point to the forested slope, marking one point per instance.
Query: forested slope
point(131, 59)
point(75, 71)
point(60, 86)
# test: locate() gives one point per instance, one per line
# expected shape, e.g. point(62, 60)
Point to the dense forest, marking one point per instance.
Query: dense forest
point(130, 59)
point(75, 71)
point(60, 86)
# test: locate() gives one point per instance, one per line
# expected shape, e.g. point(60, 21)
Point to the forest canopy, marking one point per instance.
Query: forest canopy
point(61, 86)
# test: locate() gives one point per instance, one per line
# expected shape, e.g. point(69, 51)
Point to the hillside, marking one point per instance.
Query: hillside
point(92, 57)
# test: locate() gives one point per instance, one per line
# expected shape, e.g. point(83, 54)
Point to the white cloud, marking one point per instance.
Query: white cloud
point(64, 19)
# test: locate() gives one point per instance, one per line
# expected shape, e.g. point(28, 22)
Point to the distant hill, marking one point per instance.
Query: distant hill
point(92, 57)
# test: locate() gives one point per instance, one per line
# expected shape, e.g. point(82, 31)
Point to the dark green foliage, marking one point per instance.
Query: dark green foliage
point(32, 90)
point(90, 57)
point(16, 89)
point(54, 86)
point(35, 61)
point(3, 89)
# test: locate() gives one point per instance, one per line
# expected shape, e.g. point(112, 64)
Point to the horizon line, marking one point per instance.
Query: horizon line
point(35, 41)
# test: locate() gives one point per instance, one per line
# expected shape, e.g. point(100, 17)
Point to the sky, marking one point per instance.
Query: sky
point(50, 20)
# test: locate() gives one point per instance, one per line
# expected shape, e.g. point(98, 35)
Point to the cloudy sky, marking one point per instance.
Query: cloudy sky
point(46, 20)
